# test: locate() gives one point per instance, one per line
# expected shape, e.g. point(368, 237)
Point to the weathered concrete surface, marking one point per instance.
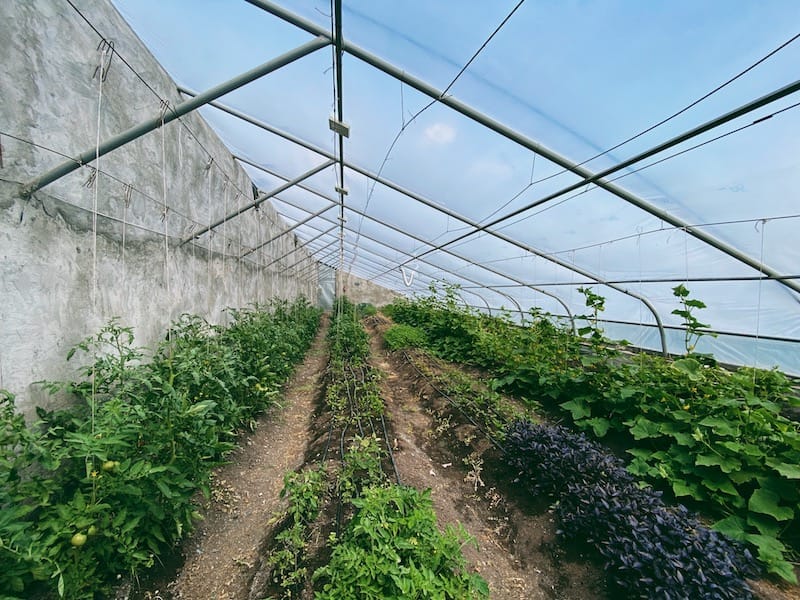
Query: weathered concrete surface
point(360, 290)
point(64, 273)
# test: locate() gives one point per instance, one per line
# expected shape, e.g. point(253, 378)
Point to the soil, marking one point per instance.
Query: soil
point(219, 558)
point(516, 553)
point(517, 550)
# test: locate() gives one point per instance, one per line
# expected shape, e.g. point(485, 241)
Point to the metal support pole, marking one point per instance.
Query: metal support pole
point(443, 210)
point(411, 195)
point(546, 293)
point(290, 229)
point(261, 198)
point(180, 110)
point(511, 299)
point(454, 254)
point(412, 236)
point(489, 308)
point(585, 174)
point(306, 244)
point(297, 262)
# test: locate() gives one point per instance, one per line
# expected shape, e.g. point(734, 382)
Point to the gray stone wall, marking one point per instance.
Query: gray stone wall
point(360, 290)
point(110, 243)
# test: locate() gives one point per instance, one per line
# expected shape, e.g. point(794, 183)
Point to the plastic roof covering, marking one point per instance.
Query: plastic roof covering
point(576, 77)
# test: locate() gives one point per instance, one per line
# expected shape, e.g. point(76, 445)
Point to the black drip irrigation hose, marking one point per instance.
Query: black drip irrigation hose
point(328, 443)
point(389, 450)
point(454, 404)
point(339, 503)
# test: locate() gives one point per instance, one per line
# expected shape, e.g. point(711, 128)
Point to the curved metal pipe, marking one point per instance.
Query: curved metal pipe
point(562, 303)
point(512, 299)
point(661, 332)
point(488, 307)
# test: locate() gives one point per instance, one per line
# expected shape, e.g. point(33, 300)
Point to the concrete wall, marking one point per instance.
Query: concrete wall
point(85, 249)
point(360, 290)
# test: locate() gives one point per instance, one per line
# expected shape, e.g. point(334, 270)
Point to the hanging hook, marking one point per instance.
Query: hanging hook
point(408, 277)
point(106, 50)
point(164, 107)
point(89, 183)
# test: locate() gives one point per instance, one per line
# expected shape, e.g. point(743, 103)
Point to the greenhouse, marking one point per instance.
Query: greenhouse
point(516, 280)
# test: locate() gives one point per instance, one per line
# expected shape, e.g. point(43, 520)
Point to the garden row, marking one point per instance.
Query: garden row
point(102, 489)
point(649, 550)
point(382, 539)
point(710, 436)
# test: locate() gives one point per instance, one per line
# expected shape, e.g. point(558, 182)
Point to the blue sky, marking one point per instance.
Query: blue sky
point(578, 77)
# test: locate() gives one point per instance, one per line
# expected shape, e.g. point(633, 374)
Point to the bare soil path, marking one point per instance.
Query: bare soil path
point(222, 553)
point(515, 552)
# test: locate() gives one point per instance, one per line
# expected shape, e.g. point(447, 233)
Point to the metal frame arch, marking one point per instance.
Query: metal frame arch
point(557, 299)
point(444, 210)
point(584, 173)
point(488, 306)
point(509, 297)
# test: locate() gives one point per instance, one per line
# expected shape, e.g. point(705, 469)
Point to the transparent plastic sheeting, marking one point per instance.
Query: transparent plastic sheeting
point(327, 287)
point(577, 78)
point(730, 349)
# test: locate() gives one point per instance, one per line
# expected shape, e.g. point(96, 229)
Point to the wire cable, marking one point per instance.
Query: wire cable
point(652, 164)
point(423, 109)
point(164, 103)
point(652, 127)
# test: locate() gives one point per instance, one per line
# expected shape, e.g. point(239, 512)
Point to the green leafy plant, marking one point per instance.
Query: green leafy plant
point(305, 491)
point(597, 304)
point(106, 486)
point(708, 435)
point(361, 467)
point(392, 548)
point(404, 336)
point(693, 328)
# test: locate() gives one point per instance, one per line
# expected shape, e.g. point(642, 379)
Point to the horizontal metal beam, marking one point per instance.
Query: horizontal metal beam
point(585, 174)
point(170, 115)
point(772, 338)
point(289, 230)
point(305, 244)
point(454, 254)
point(262, 197)
point(598, 180)
point(423, 241)
point(310, 257)
point(722, 279)
point(429, 203)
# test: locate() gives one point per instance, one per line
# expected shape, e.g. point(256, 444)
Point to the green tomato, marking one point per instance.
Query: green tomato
point(92, 530)
point(78, 540)
point(109, 465)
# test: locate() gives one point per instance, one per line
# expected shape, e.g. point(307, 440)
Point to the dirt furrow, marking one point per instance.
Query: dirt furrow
point(221, 555)
point(455, 500)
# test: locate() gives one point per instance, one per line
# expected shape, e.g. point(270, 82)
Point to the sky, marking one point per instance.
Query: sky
point(577, 77)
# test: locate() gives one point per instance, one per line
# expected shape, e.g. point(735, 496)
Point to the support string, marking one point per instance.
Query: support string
point(164, 215)
point(758, 309)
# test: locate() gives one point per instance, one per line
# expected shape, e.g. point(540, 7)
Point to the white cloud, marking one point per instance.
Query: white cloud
point(440, 133)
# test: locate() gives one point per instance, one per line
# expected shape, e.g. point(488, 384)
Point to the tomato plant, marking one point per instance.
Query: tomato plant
point(104, 487)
